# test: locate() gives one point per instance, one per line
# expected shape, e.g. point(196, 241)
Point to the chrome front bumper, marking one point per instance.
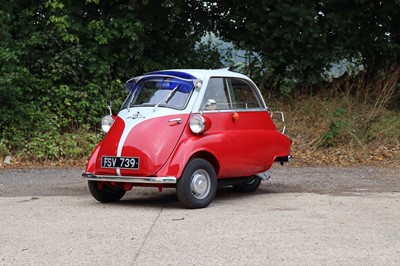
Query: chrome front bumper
point(132, 179)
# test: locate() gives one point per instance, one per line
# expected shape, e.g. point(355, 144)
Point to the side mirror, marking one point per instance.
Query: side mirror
point(211, 105)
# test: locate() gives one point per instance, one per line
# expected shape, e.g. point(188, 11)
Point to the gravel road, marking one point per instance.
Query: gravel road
point(328, 180)
point(301, 216)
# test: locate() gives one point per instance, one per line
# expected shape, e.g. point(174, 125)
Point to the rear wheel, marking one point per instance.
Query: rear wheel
point(249, 185)
point(198, 184)
point(104, 193)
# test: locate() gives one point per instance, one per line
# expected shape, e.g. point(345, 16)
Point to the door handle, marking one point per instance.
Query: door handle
point(175, 121)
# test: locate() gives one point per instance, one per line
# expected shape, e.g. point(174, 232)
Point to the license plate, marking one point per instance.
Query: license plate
point(120, 162)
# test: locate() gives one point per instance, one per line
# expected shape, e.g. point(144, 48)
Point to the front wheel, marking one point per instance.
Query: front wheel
point(198, 184)
point(104, 193)
point(248, 185)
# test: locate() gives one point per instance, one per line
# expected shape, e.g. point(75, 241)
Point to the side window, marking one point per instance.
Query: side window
point(244, 96)
point(217, 90)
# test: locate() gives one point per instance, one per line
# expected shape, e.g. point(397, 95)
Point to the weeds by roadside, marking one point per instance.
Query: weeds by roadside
point(347, 122)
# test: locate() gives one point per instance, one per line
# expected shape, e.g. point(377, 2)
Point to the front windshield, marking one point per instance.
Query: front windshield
point(163, 92)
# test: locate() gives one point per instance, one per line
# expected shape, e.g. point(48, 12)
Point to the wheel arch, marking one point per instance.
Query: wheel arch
point(208, 156)
point(184, 152)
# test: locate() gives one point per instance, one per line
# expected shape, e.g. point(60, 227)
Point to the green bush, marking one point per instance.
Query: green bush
point(4, 151)
point(54, 146)
point(337, 127)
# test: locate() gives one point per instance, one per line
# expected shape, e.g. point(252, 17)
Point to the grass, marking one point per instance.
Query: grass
point(334, 132)
point(356, 124)
point(348, 122)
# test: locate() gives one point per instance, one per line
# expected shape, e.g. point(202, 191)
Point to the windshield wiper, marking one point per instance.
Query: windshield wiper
point(167, 98)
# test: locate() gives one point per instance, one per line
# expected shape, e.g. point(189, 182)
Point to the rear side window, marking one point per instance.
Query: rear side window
point(231, 94)
point(243, 95)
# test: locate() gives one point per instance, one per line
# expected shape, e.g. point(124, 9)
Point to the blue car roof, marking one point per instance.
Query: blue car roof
point(178, 74)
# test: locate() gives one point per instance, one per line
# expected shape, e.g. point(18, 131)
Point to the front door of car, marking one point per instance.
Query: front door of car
point(241, 127)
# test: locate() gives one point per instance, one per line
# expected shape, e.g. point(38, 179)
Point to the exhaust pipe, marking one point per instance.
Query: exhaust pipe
point(283, 159)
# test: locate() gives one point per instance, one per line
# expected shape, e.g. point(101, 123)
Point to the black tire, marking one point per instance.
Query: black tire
point(248, 186)
point(198, 184)
point(106, 193)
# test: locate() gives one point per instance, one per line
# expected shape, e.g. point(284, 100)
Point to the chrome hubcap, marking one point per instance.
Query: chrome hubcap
point(249, 182)
point(200, 184)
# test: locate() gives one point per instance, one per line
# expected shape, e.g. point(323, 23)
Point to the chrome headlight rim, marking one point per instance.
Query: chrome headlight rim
point(197, 124)
point(106, 122)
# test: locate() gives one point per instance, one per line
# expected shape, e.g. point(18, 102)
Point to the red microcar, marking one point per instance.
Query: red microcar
point(192, 130)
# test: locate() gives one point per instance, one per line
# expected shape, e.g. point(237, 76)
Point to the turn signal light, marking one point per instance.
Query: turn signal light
point(235, 117)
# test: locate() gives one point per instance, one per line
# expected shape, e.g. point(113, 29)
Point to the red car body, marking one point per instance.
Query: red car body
point(157, 143)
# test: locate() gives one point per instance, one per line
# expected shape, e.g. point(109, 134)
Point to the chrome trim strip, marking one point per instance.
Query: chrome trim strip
point(236, 110)
point(132, 179)
point(272, 113)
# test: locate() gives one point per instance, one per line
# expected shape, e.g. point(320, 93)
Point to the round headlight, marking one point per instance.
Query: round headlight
point(106, 123)
point(197, 124)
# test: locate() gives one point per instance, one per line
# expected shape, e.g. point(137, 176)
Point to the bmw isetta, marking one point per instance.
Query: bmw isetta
point(192, 130)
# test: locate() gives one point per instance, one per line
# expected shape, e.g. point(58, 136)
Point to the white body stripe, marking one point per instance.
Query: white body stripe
point(144, 114)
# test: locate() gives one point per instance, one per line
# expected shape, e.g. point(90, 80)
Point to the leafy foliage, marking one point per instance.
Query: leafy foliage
point(336, 128)
point(62, 62)
point(296, 40)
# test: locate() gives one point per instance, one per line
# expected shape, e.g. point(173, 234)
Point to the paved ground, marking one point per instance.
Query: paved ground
point(319, 216)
